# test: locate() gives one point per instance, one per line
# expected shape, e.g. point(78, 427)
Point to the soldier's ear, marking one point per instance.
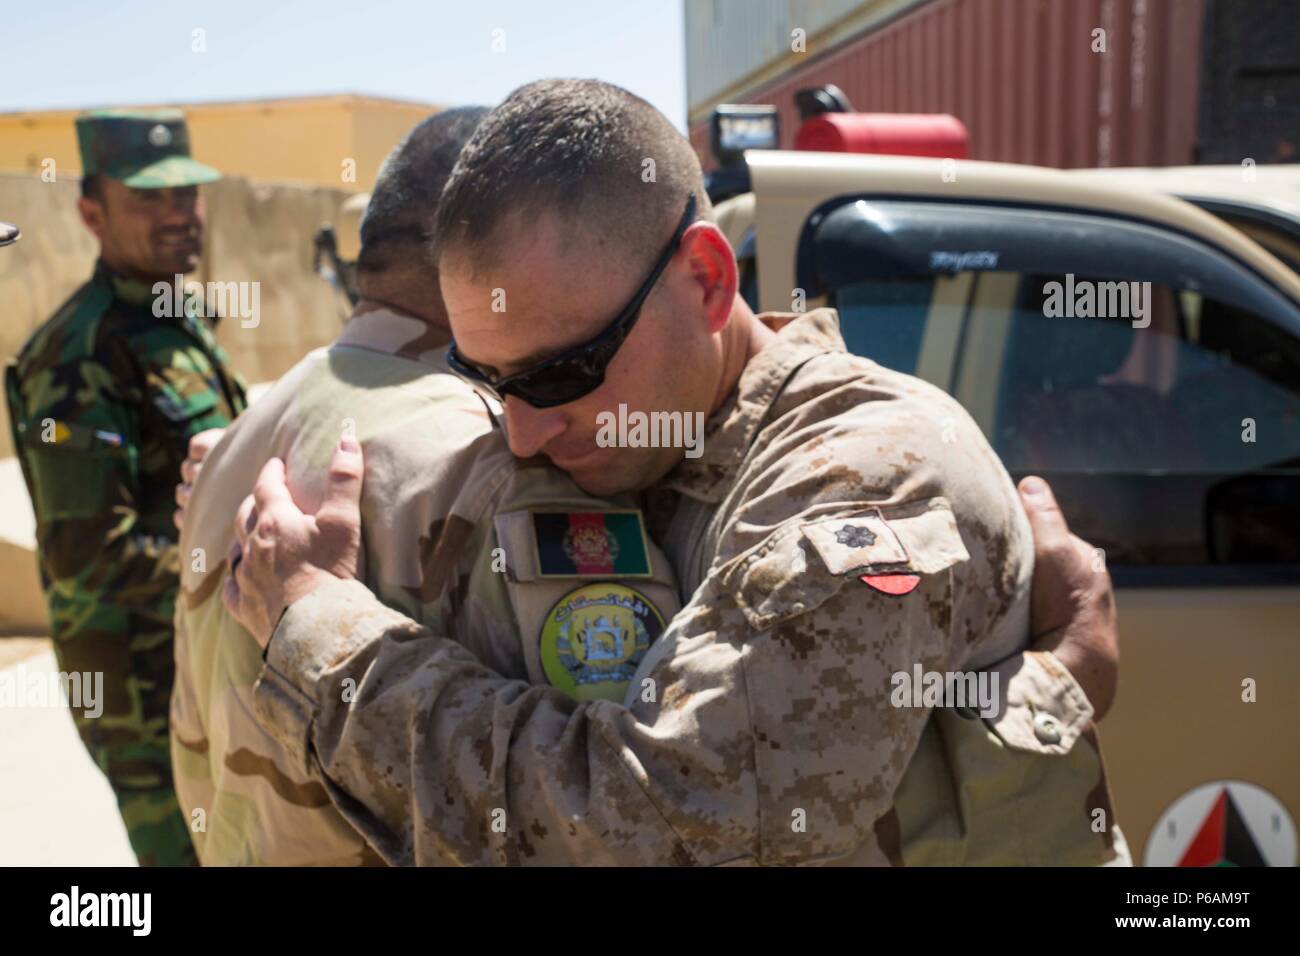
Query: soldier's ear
point(93, 215)
point(713, 266)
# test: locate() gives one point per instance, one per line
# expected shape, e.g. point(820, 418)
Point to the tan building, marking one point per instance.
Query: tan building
point(336, 141)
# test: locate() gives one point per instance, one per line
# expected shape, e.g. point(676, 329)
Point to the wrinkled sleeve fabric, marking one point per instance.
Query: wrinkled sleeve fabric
point(758, 728)
point(436, 759)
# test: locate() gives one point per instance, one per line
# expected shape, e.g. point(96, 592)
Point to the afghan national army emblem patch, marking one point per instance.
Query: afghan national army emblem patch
point(594, 638)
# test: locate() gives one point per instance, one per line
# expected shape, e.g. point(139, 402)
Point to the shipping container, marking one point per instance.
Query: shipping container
point(734, 45)
point(1064, 83)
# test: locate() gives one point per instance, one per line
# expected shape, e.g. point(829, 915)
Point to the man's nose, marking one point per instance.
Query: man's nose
point(531, 429)
point(180, 208)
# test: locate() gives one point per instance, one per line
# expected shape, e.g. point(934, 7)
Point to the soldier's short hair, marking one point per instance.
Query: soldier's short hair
point(399, 217)
point(589, 151)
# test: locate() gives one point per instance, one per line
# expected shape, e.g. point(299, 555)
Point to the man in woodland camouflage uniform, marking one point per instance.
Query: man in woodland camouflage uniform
point(103, 401)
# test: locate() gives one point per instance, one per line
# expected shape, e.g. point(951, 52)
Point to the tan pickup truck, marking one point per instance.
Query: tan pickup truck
point(1144, 356)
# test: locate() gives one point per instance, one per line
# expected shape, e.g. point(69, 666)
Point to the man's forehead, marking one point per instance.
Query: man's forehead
point(537, 293)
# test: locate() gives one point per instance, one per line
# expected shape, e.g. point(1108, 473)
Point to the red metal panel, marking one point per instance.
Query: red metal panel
point(1030, 80)
point(949, 65)
point(918, 67)
point(1022, 76)
point(1083, 84)
point(1181, 66)
point(1145, 120)
point(900, 134)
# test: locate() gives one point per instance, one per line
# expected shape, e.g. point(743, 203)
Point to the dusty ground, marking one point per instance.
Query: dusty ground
point(14, 649)
point(56, 808)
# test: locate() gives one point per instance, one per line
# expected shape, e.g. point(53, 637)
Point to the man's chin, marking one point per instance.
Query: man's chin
point(172, 263)
point(603, 480)
point(601, 483)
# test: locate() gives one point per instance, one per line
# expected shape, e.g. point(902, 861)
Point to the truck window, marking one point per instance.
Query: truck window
point(1174, 446)
point(1148, 427)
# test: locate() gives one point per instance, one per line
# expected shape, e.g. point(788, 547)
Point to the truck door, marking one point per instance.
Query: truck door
point(1155, 382)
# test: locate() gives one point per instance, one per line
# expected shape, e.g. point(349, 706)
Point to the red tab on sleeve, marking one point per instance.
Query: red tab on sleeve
point(895, 584)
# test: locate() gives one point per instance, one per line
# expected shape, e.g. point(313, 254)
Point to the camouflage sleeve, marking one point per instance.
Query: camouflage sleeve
point(721, 757)
point(760, 727)
point(492, 770)
point(81, 436)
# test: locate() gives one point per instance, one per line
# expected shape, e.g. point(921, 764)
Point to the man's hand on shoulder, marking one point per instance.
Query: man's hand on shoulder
point(282, 554)
point(200, 445)
point(1072, 605)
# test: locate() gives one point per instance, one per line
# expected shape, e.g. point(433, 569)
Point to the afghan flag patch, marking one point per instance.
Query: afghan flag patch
point(580, 544)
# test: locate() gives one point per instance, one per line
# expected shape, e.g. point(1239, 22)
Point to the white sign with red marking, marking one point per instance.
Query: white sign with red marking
point(1225, 823)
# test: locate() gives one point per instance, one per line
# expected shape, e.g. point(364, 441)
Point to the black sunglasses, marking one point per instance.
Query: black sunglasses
point(580, 370)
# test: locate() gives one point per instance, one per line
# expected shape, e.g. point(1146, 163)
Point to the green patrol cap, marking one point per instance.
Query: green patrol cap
point(145, 149)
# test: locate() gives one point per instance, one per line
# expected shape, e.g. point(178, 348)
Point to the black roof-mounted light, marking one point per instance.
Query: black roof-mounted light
point(828, 98)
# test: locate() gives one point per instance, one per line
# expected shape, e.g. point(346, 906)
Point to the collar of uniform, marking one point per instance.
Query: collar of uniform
point(730, 430)
point(380, 328)
point(132, 291)
point(136, 292)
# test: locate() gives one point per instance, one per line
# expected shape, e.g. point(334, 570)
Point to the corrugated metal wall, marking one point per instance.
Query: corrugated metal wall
point(1022, 76)
point(730, 42)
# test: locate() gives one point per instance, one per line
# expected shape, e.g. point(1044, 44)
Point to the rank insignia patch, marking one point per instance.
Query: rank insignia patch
point(855, 536)
point(579, 544)
point(863, 543)
point(594, 638)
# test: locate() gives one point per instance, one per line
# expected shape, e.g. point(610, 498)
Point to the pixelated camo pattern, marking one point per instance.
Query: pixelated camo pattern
point(759, 728)
point(437, 472)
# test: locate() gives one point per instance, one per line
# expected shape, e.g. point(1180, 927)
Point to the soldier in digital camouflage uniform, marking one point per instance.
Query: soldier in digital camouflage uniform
point(831, 536)
point(103, 400)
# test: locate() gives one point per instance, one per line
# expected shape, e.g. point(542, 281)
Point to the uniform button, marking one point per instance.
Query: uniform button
point(1047, 728)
